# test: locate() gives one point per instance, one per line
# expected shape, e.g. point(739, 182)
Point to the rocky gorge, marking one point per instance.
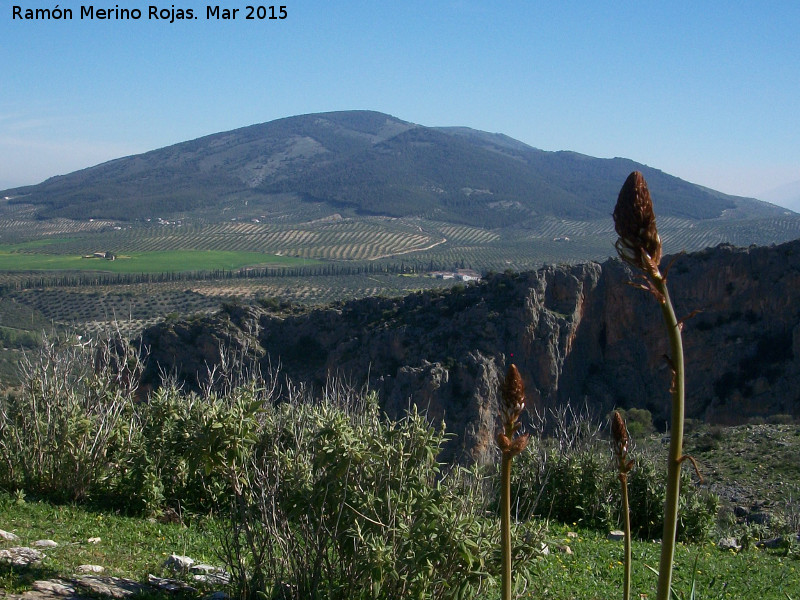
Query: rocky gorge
point(577, 333)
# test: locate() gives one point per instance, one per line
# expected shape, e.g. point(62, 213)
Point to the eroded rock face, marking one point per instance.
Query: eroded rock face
point(742, 358)
point(190, 349)
point(577, 334)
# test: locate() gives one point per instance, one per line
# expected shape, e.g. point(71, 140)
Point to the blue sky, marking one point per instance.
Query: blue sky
point(707, 91)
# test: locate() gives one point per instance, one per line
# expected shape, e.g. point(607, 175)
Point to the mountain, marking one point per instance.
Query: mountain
point(577, 333)
point(366, 163)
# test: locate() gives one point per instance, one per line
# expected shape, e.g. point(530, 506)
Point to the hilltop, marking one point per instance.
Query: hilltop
point(362, 163)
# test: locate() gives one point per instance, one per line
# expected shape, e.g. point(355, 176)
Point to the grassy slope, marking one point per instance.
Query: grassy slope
point(594, 571)
point(751, 463)
point(129, 547)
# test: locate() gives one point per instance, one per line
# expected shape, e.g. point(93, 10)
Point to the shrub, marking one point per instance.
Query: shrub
point(56, 431)
point(568, 477)
point(572, 487)
point(781, 419)
point(340, 502)
point(163, 462)
point(698, 509)
point(639, 421)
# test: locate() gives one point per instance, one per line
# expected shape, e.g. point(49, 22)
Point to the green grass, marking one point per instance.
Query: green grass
point(40, 243)
point(146, 262)
point(594, 570)
point(129, 547)
point(133, 547)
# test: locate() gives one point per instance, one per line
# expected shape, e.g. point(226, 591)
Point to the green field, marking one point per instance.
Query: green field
point(11, 259)
point(57, 245)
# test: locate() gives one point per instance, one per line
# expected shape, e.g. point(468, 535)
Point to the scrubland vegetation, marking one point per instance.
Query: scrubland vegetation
point(315, 493)
point(304, 494)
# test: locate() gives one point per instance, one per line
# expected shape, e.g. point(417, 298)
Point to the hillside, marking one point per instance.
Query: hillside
point(360, 163)
point(577, 333)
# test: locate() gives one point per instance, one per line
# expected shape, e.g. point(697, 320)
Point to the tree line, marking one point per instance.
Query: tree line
point(331, 269)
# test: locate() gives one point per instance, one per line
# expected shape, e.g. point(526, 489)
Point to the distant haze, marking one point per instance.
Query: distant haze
point(787, 195)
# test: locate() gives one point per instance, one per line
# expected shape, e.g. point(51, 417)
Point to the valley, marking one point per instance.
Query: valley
point(339, 257)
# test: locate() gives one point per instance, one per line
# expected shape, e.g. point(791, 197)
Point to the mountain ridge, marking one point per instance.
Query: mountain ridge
point(365, 163)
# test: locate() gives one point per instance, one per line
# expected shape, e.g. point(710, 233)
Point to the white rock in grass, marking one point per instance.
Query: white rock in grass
point(93, 540)
point(204, 568)
point(220, 578)
point(169, 585)
point(729, 543)
point(210, 574)
point(179, 563)
point(45, 544)
point(54, 587)
point(21, 556)
point(544, 549)
point(8, 536)
point(90, 569)
point(112, 587)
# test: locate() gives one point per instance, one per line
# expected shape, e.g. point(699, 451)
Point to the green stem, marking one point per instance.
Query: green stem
point(505, 524)
point(626, 520)
point(675, 446)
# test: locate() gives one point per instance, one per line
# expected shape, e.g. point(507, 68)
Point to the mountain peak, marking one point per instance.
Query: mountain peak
point(362, 162)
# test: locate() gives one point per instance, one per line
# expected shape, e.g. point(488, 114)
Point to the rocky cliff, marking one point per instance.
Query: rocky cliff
point(577, 333)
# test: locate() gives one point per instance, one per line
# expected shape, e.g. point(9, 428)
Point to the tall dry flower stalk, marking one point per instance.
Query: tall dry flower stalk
point(619, 437)
point(512, 403)
point(640, 246)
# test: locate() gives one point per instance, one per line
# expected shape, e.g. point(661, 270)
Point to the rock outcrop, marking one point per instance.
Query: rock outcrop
point(86, 587)
point(577, 333)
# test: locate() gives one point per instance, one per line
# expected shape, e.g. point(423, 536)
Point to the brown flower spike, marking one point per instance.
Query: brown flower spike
point(640, 246)
point(512, 403)
point(639, 243)
point(619, 434)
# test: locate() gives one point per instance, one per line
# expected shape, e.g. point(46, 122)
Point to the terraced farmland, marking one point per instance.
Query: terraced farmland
point(695, 236)
point(468, 235)
point(339, 240)
point(135, 306)
point(17, 228)
point(334, 239)
point(318, 261)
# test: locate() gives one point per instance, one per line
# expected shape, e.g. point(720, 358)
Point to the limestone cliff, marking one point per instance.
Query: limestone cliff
point(577, 333)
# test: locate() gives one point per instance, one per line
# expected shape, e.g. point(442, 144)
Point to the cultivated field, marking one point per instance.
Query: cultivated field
point(162, 246)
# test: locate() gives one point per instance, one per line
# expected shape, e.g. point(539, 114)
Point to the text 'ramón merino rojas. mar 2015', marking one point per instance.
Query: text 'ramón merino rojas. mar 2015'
point(153, 13)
